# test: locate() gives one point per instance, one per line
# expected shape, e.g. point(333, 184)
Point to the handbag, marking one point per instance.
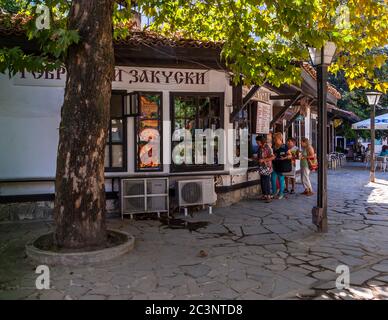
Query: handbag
point(282, 166)
point(264, 171)
point(290, 174)
point(313, 163)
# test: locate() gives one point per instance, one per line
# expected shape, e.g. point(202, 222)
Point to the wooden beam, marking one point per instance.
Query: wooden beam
point(282, 97)
point(289, 123)
point(246, 100)
point(249, 95)
point(237, 95)
point(284, 109)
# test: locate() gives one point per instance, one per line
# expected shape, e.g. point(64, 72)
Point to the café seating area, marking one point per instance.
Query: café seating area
point(336, 160)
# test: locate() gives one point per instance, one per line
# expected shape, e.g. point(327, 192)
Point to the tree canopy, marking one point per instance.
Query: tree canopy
point(263, 39)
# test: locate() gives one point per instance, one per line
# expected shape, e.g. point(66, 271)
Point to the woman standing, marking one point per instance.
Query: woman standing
point(265, 157)
point(281, 164)
point(308, 156)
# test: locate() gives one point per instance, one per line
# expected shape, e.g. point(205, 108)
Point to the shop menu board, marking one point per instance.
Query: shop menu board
point(149, 132)
point(263, 118)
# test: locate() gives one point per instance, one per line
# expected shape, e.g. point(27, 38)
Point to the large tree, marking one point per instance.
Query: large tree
point(80, 192)
point(263, 40)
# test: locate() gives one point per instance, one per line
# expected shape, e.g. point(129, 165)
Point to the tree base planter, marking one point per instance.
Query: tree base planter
point(42, 250)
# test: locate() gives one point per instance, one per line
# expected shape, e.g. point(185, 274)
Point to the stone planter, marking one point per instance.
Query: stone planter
point(77, 258)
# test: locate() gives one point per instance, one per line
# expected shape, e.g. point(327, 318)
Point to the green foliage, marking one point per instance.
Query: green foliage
point(13, 6)
point(14, 60)
point(356, 100)
point(261, 38)
point(52, 42)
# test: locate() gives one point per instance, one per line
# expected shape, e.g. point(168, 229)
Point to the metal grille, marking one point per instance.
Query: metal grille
point(192, 192)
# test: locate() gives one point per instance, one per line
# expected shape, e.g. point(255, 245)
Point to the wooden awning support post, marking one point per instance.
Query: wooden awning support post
point(282, 97)
point(237, 96)
point(285, 108)
point(245, 100)
point(290, 122)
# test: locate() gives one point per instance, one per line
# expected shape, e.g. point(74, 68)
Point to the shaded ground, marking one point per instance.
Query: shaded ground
point(251, 250)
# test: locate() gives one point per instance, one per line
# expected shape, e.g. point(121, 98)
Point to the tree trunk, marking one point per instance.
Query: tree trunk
point(80, 192)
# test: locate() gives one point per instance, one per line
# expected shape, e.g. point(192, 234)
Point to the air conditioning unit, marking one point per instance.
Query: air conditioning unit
point(196, 192)
point(144, 196)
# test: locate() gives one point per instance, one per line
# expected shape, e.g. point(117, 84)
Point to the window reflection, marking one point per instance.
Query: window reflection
point(195, 112)
point(148, 132)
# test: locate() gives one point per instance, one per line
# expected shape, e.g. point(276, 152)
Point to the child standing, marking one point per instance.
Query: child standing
point(265, 157)
point(294, 150)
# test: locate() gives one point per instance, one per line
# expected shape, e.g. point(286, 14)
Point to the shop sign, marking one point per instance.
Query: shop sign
point(260, 95)
point(123, 75)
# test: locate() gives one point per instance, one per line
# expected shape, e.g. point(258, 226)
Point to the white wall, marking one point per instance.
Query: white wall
point(30, 116)
point(29, 121)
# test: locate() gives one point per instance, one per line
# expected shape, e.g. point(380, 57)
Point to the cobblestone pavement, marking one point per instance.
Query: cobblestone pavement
point(250, 250)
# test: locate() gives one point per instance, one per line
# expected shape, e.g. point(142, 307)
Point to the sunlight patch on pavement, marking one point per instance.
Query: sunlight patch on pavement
point(379, 194)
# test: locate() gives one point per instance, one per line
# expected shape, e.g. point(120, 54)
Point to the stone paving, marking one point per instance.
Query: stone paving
point(251, 250)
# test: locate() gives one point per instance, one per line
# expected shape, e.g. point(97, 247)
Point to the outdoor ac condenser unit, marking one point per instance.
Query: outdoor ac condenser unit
point(144, 196)
point(196, 192)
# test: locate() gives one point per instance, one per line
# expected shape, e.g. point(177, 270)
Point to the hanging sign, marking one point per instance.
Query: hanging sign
point(260, 95)
point(263, 118)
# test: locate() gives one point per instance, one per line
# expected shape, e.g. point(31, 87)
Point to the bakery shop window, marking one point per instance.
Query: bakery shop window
point(148, 132)
point(115, 149)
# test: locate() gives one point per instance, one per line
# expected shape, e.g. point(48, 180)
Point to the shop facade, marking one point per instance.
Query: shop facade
point(160, 85)
point(166, 98)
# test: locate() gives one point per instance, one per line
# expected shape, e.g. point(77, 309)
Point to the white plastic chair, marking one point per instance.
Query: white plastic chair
point(382, 162)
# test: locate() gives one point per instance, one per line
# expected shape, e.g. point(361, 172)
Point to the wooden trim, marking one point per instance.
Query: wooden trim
point(246, 100)
point(284, 109)
point(124, 143)
point(114, 195)
point(160, 125)
point(246, 184)
point(290, 122)
point(19, 198)
point(250, 94)
point(282, 97)
point(168, 57)
point(27, 198)
point(28, 180)
point(195, 168)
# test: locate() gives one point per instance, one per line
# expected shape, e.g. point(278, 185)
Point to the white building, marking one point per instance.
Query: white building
point(178, 84)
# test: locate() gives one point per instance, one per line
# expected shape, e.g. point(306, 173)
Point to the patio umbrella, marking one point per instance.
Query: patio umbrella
point(381, 123)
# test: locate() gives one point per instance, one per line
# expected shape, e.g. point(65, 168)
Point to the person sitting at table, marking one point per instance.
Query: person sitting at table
point(384, 151)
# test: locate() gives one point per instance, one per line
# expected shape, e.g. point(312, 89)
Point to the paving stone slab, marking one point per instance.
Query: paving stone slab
point(262, 239)
point(280, 255)
point(383, 278)
point(361, 276)
point(196, 271)
point(382, 266)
